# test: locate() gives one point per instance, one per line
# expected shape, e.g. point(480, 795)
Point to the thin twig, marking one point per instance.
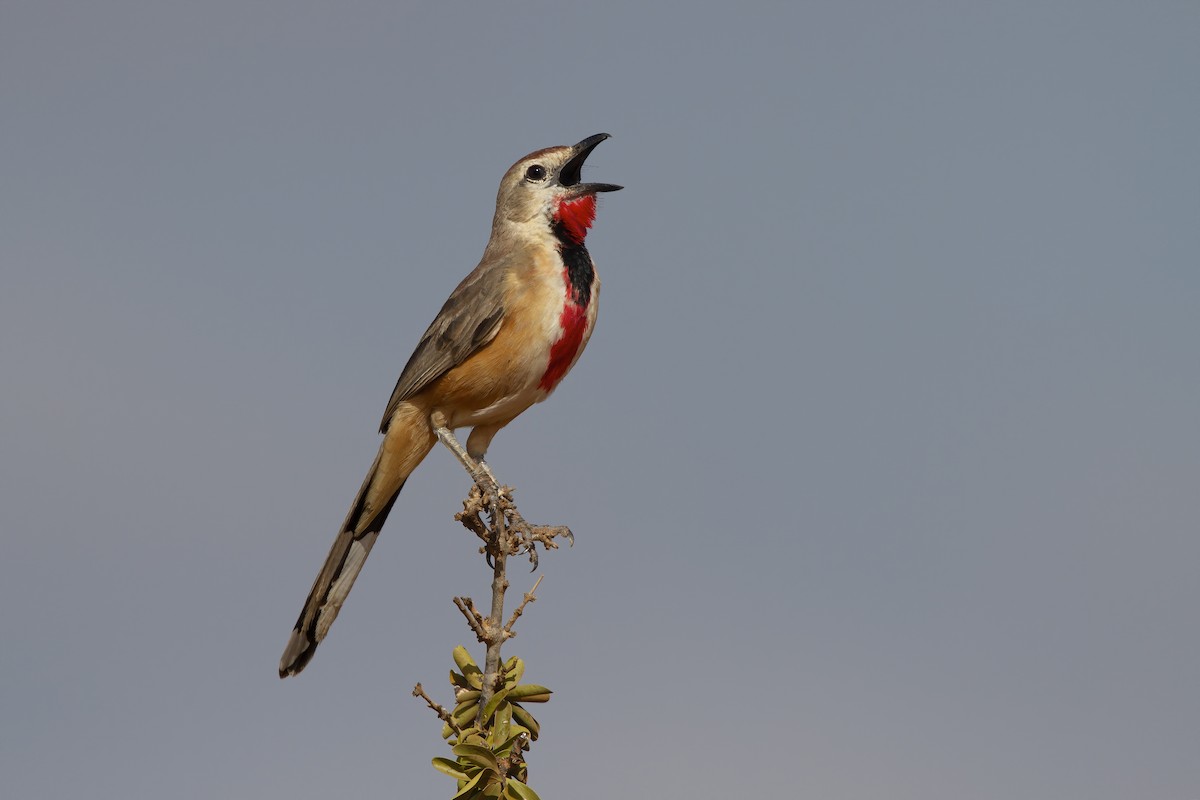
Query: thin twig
point(529, 598)
point(443, 714)
point(474, 618)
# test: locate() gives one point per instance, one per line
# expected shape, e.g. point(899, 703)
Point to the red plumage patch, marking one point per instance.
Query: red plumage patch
point(576, 216)
point(563, 352)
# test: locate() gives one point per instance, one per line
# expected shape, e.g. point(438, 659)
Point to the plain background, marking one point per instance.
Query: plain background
point(884, 461)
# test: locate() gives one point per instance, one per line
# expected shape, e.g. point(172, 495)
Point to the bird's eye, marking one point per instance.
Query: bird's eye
point(536, 173)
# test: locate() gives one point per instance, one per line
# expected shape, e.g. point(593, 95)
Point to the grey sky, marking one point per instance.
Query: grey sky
point(883, 461)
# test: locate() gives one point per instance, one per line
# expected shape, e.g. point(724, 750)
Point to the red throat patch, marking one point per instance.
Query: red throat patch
point(576, 216)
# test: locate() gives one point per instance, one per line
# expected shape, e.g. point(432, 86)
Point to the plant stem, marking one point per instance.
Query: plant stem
point(495, 621)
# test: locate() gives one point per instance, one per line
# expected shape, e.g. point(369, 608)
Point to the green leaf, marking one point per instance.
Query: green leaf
point(514, 670)
point(472, 680)
point(479, 756)
point(504, 749)
point(465, 712)
point(470, 670)
point(473, 736)
point(516, 790)
point(494, 703)
point(500, 725)
point(462, 657)
point(451, 768)
point(524, 718)
point(469, 789)
point(529, 693)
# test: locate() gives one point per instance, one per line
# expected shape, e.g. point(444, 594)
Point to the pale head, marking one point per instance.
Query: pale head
point(545, 183)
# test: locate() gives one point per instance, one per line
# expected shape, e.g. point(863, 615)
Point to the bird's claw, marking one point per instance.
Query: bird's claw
point(508, 532)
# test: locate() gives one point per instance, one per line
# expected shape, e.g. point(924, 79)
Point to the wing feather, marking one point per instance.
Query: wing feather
point(470, 318)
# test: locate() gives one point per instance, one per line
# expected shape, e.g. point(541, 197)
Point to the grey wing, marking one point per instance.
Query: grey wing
point(469, 319)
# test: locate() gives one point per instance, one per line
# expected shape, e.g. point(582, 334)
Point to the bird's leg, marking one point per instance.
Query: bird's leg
point(512, 532)
point(479, 471)
point(491, 476)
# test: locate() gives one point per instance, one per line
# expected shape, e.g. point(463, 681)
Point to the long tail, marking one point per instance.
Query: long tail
point(407, 442)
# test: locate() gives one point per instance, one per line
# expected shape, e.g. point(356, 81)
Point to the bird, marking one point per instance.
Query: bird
point(503, 340)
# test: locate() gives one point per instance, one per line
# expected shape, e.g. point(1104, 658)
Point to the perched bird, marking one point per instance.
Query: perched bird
point(502, 342)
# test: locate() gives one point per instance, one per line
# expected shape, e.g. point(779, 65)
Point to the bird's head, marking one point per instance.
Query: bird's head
point(547, 185)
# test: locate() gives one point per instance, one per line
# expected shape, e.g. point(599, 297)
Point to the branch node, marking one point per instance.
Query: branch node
point(474, 618)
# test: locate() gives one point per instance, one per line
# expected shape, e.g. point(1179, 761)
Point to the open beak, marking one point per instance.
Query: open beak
point(570, 173)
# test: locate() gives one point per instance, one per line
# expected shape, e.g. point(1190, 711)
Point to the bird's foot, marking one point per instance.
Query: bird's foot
point(515, 534)
point(524, 537)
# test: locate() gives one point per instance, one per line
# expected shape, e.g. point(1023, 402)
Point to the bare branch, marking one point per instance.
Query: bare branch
point(529, 598)
point(508, 534)
point(443, 714)
point(490, 512)
point(478, 624)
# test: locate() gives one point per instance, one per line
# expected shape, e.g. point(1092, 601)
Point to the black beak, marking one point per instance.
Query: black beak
point(571, 172)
